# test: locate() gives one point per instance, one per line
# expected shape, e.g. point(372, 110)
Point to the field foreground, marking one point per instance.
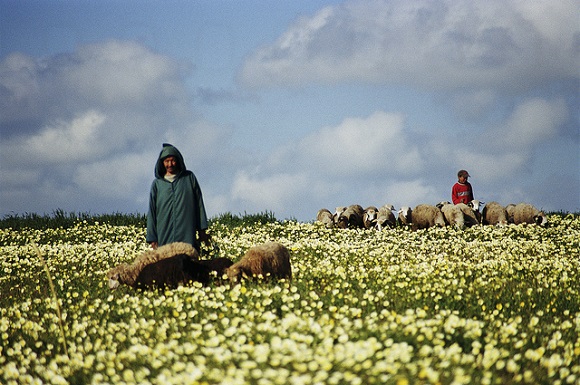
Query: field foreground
point(484, 305)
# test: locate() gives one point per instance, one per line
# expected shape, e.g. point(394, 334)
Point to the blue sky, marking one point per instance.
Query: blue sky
point(289, 106)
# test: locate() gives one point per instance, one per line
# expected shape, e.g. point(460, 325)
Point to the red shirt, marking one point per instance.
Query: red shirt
point(461, 193)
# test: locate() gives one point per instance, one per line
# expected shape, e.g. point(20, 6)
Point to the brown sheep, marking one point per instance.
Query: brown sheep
point(425, 216)
point(269, 260)
point(352, 218)
point(324, 216)
point(494, 214)
point(370, 216)
point(128, 273)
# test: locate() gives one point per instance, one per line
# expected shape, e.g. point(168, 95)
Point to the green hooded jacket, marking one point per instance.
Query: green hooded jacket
point(176, 209)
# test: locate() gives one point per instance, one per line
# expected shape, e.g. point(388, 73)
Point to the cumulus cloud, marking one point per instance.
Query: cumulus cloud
point(431, 44)
point(357, 146)
point(88, 124)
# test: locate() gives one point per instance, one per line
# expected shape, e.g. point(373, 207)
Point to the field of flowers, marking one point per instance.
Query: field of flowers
point(484, 305)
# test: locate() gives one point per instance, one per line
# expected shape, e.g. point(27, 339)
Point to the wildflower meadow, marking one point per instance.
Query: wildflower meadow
point(483, 305)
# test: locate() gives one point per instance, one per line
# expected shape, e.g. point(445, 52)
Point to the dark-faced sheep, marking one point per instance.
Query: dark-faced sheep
point(337, 213)
point(405, 216)
point(351, 218)
point(425, 216)
point(168, 266)
point(475, 205)
point(527, 213)
point(386, 218)
point(181, 270)
point(494, 214)
point(128, 273)
point(471, 217)
point(269, 261)
point(324, 216)
point(370, 216)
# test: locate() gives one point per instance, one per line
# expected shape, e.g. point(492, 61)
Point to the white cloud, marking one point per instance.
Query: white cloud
point(272, 192)
point(355, 148)
point(432, 44)
point(533, 122)
point(62, 142)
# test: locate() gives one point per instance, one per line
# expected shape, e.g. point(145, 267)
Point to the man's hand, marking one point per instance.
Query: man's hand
point(154, 245)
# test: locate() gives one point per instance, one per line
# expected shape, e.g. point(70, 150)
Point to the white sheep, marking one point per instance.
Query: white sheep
point(527, 213)
point(425, 216)
point(511, 209)
point(370, 216)
point(325, 217)
point(452, 213)
point(386, 218)
point(405, 216)
point(471, 216)
point(494, 214)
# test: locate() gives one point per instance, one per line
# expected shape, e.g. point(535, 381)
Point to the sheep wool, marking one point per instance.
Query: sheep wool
point(324, 216)
point(425, 216)
point(405, 216)
point(494, 214)
point(386, 218)
point(453, 214)
point(269, 260)
point(128, 273)
point(527, 213)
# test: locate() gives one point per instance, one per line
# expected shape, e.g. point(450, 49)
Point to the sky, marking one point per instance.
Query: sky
point(289, 106)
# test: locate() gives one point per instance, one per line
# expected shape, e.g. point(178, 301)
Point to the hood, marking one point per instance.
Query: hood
point(168, 150)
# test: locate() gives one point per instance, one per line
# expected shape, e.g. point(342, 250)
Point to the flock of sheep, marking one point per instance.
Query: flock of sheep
point(424, 215)
point(175, 264)
point(178, 263)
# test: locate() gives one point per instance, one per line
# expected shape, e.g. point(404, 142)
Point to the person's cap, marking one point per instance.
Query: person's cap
point(463, 173)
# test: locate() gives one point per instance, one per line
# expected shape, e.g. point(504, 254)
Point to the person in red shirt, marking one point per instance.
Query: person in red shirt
point(462, 191)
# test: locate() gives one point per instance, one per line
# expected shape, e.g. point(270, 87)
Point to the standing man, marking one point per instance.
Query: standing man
point(176, 210)
point(462, 191)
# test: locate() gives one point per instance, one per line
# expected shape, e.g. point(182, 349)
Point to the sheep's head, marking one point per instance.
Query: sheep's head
point(389, 206)
point(540, 219)
point(115, 276)
point(405, 212)
point(475, 204)
point(342, 222)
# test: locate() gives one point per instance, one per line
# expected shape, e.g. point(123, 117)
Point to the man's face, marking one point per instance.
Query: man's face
point(170, 165)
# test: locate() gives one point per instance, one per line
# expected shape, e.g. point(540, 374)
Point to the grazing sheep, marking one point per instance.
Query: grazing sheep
point(494, 214)
point(370, 215)
point(475, 205)
point(269, 260)
point(179, 270)
point(128, 273)
point(405, 216)
point(425, 216)
point(453, 214)
point(337, 213)
point(352, 217)
point(325, 217)
point(386, 218)
point(511, 208)
point(527, 213)
point(471, 217)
